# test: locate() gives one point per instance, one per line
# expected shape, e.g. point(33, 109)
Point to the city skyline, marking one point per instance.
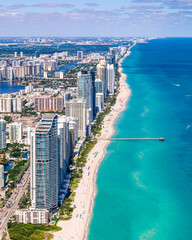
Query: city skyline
point(150, 18)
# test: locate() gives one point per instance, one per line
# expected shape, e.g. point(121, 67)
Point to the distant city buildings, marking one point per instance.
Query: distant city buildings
point(79, 55)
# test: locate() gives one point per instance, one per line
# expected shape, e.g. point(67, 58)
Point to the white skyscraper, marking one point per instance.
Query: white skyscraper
point(30, 131)
point(110, 78)
point(77, 108)
point(85, 91)
point(9, 105)
point(2, 134)
point(99, 102)
point(63, 145)
point(16, 131)
point(102, 75)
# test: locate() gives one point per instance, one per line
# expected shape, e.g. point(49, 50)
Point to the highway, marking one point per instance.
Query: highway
point(12, 204)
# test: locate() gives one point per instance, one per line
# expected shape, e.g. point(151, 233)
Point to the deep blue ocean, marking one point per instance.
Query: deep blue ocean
point(145, 188)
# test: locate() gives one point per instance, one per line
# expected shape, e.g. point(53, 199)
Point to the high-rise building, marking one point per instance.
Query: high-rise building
point(10, 74)
point(1, 176)
point(16, 131)
point(75, 123)
point(110, 59)
point(73, 133)
point(93, 95)
point(30, 131)
point(99, 102)
point(49, 103)
point(79, 55)
point(63, 145)
point(44, 164)
point(99, 88)
point(21, 54)
point(102, 75)
point(2, 134)
point(29, 88)
point(77, 108)
point(10, 105)
point(85, 92)
point(110, 79)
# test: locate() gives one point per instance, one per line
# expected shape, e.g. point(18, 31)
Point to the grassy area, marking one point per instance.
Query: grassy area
point(21, 231)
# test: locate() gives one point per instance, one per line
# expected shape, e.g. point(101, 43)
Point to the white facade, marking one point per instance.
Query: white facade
point(102, 75)
point(16, 131)
point(9, 105)
point(35, 216)
point(110, 78)
point(85, 91)
point(30, 131)
point(77, 109)
point(63, 137)
point(29, 88)
point(99, 102)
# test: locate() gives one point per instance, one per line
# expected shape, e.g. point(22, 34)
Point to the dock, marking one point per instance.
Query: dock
point(133, 139)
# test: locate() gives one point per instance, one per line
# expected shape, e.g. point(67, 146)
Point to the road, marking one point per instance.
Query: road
point(12, 204)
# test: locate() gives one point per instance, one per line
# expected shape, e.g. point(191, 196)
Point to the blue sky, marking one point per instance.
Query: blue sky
point(62, 18)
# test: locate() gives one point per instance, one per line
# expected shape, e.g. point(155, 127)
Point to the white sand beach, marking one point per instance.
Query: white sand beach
point(77, 227)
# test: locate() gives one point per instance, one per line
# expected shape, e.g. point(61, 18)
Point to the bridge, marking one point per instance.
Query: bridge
point(133, 139)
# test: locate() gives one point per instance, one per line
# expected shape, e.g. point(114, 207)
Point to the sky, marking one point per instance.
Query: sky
point(100, 18)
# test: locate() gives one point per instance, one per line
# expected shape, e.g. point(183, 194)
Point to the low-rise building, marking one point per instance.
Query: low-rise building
point(35, 216)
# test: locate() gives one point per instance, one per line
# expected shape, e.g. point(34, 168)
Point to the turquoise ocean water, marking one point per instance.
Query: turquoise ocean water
point(145, 188)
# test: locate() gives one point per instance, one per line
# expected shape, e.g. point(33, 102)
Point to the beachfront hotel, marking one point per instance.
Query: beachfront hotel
point(85, 91)
point(110, 79)
point(102, 75)
point(44, 164)
point(63, 145)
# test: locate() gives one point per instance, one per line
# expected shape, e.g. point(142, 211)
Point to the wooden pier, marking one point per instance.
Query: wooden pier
point(133, 139)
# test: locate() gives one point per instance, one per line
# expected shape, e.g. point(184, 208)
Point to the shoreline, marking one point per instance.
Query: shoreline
point(77, 228)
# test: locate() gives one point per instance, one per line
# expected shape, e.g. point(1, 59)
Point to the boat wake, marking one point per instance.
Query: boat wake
point(146, 110)
point(174, 84)
point(137, 177)
point(188, 126)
